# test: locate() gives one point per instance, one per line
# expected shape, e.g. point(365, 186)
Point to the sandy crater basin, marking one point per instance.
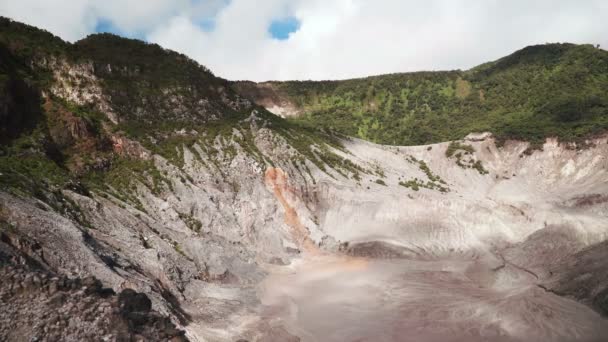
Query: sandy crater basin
point(460, 298)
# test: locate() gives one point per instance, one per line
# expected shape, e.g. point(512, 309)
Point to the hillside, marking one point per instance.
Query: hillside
point(98, 107)
point(144, 198)
point(553, 90)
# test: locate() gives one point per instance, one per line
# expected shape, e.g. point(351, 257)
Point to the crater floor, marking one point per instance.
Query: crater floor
point(460, 298)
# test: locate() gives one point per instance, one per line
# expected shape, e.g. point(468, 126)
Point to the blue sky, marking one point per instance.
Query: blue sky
point(326, 39)
point(104, 25)
point(281, 28)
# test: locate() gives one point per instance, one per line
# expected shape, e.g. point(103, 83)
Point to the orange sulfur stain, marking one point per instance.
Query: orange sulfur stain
point(276, 180)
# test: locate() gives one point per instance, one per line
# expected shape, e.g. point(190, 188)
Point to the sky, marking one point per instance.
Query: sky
point(326, 39)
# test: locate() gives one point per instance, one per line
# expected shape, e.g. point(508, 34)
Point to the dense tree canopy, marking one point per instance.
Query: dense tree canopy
point(546, 90)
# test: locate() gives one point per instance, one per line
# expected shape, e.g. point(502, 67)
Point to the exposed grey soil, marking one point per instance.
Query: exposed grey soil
point(39, 306)
point(281, 254)
point(453, 299)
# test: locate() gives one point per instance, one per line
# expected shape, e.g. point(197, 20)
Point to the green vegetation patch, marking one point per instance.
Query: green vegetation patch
point(553, 90)
point(456, 146)
point(191, 222)
point(464, 156)
point(316, 145)
point(415, 184)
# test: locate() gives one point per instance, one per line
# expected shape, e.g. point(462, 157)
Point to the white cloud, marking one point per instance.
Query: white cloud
point(132, 15)
point(69, 19)
point(336, 39)
point(74, 19)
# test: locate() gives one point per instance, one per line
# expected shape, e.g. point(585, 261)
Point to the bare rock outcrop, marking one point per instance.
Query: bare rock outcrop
point(40, 306)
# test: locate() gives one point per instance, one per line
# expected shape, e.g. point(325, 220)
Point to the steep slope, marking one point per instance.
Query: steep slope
point(553, 90)
point(238, 224)
point(39, 305)
point(152, 186)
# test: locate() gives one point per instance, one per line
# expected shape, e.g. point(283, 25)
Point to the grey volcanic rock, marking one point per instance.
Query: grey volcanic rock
point(269, 237)
point(584, 276)
point(39, 306)
point(377, 250)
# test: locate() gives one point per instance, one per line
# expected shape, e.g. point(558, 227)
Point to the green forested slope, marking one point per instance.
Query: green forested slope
point(545, 90)
point(152, 98)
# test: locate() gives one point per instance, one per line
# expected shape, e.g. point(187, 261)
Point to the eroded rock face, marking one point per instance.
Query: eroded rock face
point(41, 306)
point(377, 250)
point(202, 249)
point(267, 95)
point(78, 84)
point(499, 238)
point(583, 276)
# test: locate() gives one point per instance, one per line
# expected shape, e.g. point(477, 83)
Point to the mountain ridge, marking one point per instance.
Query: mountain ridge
point(529, 95)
